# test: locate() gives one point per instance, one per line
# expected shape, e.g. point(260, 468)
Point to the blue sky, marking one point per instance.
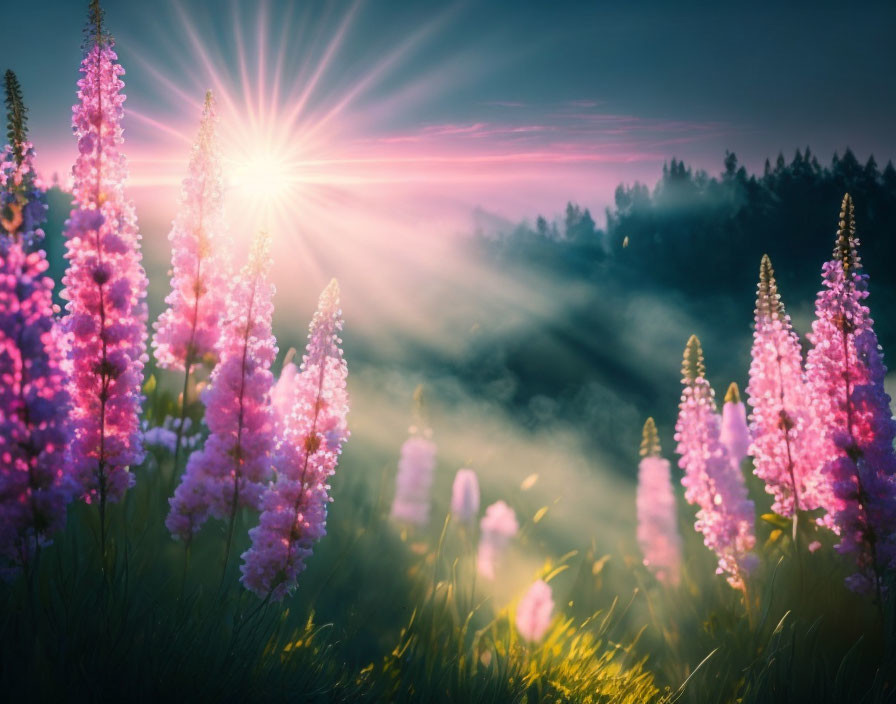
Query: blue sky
point(628, 83)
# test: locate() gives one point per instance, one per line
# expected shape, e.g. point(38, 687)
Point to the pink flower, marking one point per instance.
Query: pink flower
point(34, 484)
point(465, 496)
point(106, 288)
point(658, 535)
point(187, 331)
point(232, 469)
point(785, 438)
point(497, 527)
point(845, 376)
point(413, 482)
point(534, 612)
point(725, 514)
point(314, 429)
point(734, 433)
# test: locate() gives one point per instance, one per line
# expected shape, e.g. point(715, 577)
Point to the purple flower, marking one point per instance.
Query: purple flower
point(232, 469)
point(497, 527)
point(34, 484)
point(534, 612)
point(106, 290)
point(294, 508)
point(725, 514)
point(187, 331)
point(413, 483)
point(845, 377)
point(785, 436)
point(658, 535)
point(734, 433)
point(465, 496)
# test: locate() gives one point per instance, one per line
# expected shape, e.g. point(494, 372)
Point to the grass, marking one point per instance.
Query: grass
point(383, 614)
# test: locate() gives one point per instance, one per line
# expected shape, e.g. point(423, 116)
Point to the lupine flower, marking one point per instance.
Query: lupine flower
point(658, 535)
point(413, 483)
point(294, 508)
point(845, 375)
point(784, 435)
point(496, 529)
point(105, 286)
point(164, 436)
point(232, 469)
point(34, 486)
point(725, 515)
point(465, 496)
point(161, 437)
point(734, 433)
point(187, 332)
point(534, 612)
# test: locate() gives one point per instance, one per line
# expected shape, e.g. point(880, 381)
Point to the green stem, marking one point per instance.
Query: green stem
point(188, 366)
point(231, 524)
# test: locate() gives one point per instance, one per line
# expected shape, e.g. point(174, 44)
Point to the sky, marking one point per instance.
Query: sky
point(369, 136)
point(514, 107)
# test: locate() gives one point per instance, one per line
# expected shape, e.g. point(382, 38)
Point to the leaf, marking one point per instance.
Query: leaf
point(599, 565)
point(539, 514)
point(553, 573)
point(150, 384)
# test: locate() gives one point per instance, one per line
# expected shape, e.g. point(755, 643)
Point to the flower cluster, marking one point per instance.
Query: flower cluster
point(534, 612)
point(34, 485)
point(413, 483)
point(845, 377)
point(785, 448)
point(497, 527)
point(234, 465)
point(187, 331)
point(734, 433)
point(164, 436)
point(712, 482)
point(658, 535)
point(314, 402)
point(465, 496)
point(105, 286)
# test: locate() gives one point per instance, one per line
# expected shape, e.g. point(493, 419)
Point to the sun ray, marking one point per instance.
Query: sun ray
point(325, 145)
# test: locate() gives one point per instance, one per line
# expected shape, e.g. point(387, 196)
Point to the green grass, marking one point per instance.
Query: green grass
point(396, 628)
point(383, 614)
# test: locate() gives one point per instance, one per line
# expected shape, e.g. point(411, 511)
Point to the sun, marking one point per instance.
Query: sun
point(262, 178)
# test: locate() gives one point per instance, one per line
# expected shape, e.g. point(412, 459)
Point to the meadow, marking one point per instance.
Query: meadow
point(192, 509)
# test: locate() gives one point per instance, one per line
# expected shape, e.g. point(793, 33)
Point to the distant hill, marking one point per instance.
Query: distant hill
point(680, 257)
point(684, 254)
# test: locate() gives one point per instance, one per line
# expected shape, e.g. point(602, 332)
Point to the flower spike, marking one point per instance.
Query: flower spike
point(35, 484)
point(314, 429)
point(658, 535)
point(105, 286)
point(845, 375)
point(711, 479)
